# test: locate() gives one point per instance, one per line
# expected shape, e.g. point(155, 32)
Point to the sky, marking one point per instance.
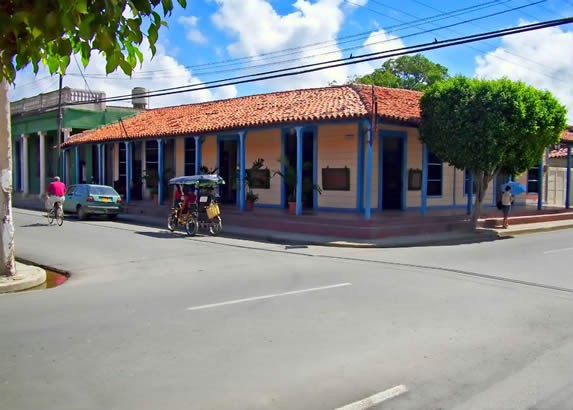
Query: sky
point(214, 40)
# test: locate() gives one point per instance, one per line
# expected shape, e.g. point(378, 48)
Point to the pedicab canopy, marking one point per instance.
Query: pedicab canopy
point(198, 180)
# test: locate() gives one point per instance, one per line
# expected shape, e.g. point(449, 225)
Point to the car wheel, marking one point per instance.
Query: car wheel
point(82, 214)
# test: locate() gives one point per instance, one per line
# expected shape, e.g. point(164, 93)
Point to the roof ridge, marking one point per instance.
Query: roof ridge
point(250, 96)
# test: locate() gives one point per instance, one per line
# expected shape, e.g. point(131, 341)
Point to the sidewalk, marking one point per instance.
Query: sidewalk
point(400, 229)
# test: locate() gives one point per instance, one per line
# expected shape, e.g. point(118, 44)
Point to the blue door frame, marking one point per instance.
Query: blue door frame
point(403, 136)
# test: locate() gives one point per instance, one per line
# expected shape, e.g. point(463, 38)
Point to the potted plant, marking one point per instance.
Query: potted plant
point(289, 177)
point(151, 178)
point(251, 180)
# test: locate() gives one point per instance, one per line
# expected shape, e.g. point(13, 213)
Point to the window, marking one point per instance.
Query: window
point(533, 179)
point(151, 163)
point(189, 156)
point(434, 175)
point(122, 161)
point(467, 178)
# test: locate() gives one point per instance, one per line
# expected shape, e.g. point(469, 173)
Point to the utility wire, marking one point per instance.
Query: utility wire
point(342, 40)
point(343, 62)
point(128, 96)
point(482, 51)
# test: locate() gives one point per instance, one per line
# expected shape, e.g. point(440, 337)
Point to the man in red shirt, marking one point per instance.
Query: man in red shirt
point(56, 193)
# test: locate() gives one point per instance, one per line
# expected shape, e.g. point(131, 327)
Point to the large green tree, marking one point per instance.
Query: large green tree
point(48, 32)
point(411, 72)
point(489, 126)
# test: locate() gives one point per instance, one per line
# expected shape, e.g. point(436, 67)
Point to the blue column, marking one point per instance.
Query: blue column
point(242, 169)
point(78, 170)
point(424, 199)
point(100, 163)
point(298, 170)
point(197, 154)
point(540, 185)
point(64, 168)
point(128, 170)
point(360, 171)
point(568, 179)
point(470, 193)
point(368, 188)
point(160, 170)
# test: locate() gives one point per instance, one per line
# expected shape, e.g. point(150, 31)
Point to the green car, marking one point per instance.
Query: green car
point(88, 199)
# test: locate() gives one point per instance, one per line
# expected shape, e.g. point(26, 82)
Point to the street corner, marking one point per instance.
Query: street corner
point(26, 277)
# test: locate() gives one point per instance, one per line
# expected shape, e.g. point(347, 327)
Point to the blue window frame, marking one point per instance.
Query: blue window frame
point(189, 156)
point(467, 177)
point(533, 180)
point(435, 175)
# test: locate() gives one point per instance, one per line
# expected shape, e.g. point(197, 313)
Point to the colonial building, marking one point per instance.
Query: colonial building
point(34, 125)
point(359, 143)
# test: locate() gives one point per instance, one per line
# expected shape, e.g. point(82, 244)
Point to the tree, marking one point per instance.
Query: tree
point(411, 72)
point(489, 126)
point(49, 32)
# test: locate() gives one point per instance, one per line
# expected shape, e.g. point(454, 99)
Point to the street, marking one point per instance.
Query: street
point(151, 319)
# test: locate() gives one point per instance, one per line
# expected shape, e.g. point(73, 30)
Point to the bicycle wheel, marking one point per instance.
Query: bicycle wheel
point(60, 216)
point(51, 216)
point(191, 226)
point(216, 226)
point(172, 221)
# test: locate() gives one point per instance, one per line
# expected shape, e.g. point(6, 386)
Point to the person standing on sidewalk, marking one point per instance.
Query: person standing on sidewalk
point(506, 200)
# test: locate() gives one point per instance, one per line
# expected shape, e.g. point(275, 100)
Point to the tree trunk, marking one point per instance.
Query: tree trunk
point(482, 181)
point(7, 267)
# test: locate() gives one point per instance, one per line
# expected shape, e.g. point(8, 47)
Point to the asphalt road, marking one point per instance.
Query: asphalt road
point(151, 319)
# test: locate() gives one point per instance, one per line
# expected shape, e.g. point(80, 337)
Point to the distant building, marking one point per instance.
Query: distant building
point(34, 125)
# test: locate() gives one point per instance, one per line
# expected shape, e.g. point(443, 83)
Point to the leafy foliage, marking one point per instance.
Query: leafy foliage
point(410, 72)
point(289, 177)
point(50, 31)
point(489, 126)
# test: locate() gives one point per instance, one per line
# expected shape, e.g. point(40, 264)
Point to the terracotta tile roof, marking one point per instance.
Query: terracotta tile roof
point(287, 107)
point(393, 103)
point(567, 135)
point(558, 153)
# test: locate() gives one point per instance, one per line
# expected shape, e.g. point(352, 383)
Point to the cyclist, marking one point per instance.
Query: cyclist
point(56, 192)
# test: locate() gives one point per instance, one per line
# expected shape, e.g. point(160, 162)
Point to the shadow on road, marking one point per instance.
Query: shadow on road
point(162, 235)
point(34, 225)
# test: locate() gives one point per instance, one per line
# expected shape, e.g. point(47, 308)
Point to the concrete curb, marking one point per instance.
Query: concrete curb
point(534, 229)
point(26, 277)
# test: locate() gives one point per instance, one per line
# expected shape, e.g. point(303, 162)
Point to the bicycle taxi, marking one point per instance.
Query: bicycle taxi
point(205, 212)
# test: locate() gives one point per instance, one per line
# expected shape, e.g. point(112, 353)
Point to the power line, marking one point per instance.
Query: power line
point(345, 39)
point(356, 60)
point(128, 96)
point(495, 56)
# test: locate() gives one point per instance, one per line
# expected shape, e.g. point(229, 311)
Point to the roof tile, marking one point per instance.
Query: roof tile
point(297, 106)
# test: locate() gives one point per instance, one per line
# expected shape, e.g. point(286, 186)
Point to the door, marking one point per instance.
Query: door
point(308, 164)
point(392, 172)
point(228, 152)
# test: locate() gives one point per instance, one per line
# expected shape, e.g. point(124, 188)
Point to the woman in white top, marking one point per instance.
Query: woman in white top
point(506, 200)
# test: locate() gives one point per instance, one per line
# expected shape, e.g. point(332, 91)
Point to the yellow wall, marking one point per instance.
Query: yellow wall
point(179, 156)
point(337, 148)
point(209, 152)
point(265, 144)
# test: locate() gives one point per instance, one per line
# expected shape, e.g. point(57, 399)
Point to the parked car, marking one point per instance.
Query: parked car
point(89, 199)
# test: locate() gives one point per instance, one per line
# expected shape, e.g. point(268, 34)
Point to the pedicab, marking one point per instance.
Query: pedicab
point(205, 213)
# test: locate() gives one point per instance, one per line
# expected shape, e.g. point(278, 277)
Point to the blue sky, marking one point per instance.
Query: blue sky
point(217, 39)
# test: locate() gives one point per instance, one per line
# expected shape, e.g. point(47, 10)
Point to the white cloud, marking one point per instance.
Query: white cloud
point(193, 34)
point(541, 58)
point(378, 42)
point(163, 71)
point(260, 30)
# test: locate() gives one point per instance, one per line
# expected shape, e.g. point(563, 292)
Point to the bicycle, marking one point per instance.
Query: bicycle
point(57, 213)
